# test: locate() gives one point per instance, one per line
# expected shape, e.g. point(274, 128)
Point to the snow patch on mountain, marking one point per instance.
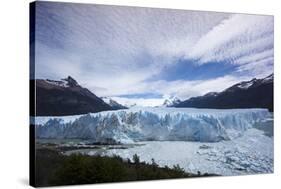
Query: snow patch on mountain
point(245, 85)
point(60, 83)
point(211, 94)
point(66, 82)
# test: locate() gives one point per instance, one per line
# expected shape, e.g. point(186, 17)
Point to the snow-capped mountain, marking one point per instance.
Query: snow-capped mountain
point(256, 93)
point(66, 82)
point(143, 124)
point(114, 104)
point(244, 85)
point(65, 97)
point(171, 101)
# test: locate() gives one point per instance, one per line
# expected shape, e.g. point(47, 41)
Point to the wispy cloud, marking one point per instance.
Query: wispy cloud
point(117, 51)
point(240, 39)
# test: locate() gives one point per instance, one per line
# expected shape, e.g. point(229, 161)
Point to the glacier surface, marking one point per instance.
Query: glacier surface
point(152, 124)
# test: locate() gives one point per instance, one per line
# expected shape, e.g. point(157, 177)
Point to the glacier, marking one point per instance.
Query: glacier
point(152, 124)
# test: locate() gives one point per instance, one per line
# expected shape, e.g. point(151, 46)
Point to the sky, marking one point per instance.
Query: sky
point(144, 55)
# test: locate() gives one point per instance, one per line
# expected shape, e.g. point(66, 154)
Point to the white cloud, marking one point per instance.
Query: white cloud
point(240, 34)
point(122, 31)
point(256, 57)
point(261, 68)
point(115, 50)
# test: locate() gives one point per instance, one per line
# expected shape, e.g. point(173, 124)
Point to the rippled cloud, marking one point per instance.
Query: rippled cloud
point(115, 50)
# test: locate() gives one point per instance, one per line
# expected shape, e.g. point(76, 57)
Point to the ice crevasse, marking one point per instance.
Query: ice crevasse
point(149, 124)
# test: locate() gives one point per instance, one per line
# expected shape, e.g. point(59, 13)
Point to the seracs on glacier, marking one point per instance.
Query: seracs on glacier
point(152, 124)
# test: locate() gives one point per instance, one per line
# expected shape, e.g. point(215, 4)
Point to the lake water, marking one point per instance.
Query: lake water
point(251, 153)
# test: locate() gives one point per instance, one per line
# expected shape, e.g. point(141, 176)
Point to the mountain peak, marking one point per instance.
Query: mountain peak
point(70, 81)
point(66, 97)
point(171, 101)
point(66, 82)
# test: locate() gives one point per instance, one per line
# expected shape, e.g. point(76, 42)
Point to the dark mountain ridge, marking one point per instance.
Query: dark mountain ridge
point(65, 97)
point(256, 93)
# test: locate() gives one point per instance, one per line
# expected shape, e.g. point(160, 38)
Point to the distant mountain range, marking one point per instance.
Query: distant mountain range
point(67, 97)
point(256, 93)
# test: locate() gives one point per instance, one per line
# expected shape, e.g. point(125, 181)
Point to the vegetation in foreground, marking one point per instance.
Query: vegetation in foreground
point(53, 168)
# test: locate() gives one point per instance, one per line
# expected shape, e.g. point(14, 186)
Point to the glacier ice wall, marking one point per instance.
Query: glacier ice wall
point(143, 124)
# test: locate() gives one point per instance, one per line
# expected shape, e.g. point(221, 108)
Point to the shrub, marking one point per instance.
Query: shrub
point(136, 159)
point(53, 168)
